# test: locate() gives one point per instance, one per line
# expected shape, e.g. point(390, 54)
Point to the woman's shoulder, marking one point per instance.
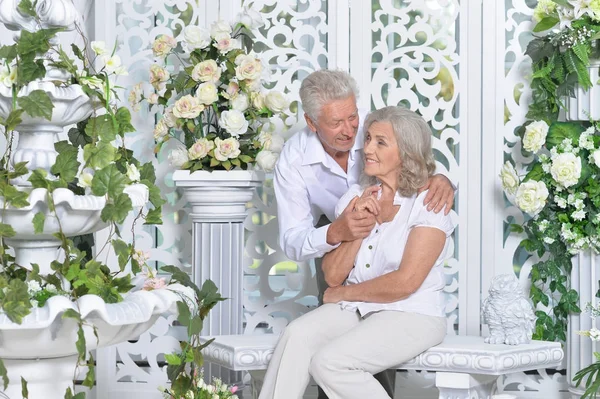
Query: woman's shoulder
point(421, 216)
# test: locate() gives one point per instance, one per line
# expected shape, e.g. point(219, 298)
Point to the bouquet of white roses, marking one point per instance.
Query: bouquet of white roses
point(561, 191)
point(216, 106)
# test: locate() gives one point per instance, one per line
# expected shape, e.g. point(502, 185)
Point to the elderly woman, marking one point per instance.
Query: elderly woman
point(385, 303)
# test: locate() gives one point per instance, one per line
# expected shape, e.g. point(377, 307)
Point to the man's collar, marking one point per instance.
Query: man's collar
point(315, 153)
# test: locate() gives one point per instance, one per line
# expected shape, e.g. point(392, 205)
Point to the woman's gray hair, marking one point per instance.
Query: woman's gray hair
point(413, 136)
point(323, 86)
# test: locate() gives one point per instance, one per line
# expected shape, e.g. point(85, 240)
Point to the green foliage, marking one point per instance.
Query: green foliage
point(37, 104)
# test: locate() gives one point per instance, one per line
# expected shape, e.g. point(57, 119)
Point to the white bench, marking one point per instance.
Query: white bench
point(465, 366)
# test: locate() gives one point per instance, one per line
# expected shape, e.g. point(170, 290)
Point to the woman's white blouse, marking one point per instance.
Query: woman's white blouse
point(381, 252)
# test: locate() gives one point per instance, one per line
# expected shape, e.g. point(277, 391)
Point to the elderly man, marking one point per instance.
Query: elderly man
point(317, 166)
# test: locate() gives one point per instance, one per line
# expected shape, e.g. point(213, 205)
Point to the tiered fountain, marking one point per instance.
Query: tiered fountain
point(42, 348)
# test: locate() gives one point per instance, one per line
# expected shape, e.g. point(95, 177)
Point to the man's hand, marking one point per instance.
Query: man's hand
point(441, 193)
point(334, 294)
point(351, 225)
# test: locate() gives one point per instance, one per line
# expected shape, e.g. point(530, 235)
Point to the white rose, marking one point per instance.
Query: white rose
point(138, 193)
point(200, 148)
point(219, 27)
point(595, 158)
point(160, 130)
point(266, 160)
point(270, 142)
point(178, 157)
point(509, 177)
point(224, 43)
point(158, 76)
point(244, 57)
point(169, 118)
point(535, 136)
point(135, 97)
point(132, 172)
point(258, 100)
point(99, 47)
point(566, 169)
point(250, 18)
point(206, 71)
point(240, 102)
point(227, 149)
point(531, 197)
point(196, 37)
point(231, 91)
point(233, 122)
point(207, 93)
point(163, 46)
point(188, 107)
point(153, 98)
point(276, 101)
point(249, 69)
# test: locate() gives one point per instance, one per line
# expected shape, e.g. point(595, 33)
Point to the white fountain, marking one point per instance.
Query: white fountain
point(42, 348)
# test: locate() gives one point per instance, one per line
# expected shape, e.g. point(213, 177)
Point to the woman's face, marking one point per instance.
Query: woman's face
point(382, 158)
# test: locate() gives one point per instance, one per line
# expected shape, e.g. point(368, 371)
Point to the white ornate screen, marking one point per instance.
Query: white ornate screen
point(458, 63)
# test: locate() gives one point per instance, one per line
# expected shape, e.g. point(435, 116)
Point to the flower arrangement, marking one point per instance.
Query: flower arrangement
point(200, 390)
point(216, 107)
point(592, 382)
point(560, 192)
point(568, 38)
point(94, 162)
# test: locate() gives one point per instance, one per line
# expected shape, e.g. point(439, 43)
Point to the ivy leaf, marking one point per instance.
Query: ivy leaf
point(90, 376)
point(184, 316)
point(154, 216)
point(30, 69)
point(117, 211)
point(123, 117)
point(99, 156)
point(123, 252)
point(26, 7)
point(8, 53)
point(103, 126)
point(109, 180)
point(38, 222)
point(15, 303)
point(66, 164)
point(37, 104)
point(154, 194)
point(147, 172)
point(173, 359)
point(38, 179)
point(78, 136)
point(20, 169)
point(536, 173)
point(14, 119)
point(13, 196)
point(6, 230)
point(24, 390)
point(4, 374)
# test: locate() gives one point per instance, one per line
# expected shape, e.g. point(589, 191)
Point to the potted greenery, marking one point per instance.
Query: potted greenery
point(57, 299)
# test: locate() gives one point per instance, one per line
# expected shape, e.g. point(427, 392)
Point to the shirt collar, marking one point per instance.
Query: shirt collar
point(315, 153)
point(398, 199)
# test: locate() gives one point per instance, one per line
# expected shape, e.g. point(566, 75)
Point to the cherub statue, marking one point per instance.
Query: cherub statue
point(508, 312)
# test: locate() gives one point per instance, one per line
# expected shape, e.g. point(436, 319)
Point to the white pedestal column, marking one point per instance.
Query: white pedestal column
point(46, 378)
point(218, 201)
point(585, 104)
point(580, 349)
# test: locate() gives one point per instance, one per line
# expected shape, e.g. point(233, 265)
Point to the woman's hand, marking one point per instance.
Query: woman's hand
point(334, 294)
point(368, 201)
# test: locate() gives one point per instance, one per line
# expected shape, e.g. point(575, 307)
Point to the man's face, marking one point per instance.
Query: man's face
point(337, 125)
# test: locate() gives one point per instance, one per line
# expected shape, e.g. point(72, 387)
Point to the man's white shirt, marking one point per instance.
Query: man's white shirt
point(309, 183)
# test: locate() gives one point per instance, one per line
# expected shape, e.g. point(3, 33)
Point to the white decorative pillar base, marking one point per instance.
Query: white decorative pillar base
point(46, 378)
point(218, 201)
point(465, 386)
point(580, 350)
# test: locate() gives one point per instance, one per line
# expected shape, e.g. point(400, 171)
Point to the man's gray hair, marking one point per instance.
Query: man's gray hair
point(321, 87)
point(413, 136)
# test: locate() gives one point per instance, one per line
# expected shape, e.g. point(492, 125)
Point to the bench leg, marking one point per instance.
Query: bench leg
point(465, 386)
point(257, 378)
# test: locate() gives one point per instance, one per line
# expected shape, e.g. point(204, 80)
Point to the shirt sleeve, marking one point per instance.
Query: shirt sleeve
point(421, 217)
point(298, 237)
point(352, 192)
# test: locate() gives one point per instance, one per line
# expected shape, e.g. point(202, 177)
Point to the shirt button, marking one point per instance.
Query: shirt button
point(376, 231)
point(367, 265)
point(370, 247)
